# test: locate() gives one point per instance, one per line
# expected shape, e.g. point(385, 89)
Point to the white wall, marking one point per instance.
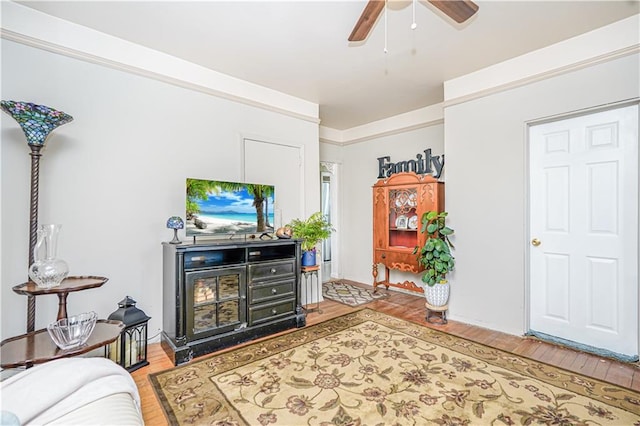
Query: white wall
point(331, 153)
point(486, 194)
point(359, 171)
point(115, 174)
point(485, 144)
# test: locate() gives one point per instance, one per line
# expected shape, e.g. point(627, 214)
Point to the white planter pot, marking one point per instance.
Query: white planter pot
point(438, 295)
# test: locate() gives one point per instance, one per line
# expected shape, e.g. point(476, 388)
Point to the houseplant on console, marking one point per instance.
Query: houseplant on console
point(435, 255)
point(311, 231)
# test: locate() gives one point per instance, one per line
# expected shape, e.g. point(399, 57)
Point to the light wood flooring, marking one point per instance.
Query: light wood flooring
point(411, 308)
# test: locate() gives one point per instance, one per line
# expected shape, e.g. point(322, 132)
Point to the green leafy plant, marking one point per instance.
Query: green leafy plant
point(435, 255)
point(311, 231)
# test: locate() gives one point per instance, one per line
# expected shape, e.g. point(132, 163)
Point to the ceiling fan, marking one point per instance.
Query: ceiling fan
point(458, 10)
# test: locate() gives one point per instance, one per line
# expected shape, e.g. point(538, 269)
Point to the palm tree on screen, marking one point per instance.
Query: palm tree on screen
point(197, 189)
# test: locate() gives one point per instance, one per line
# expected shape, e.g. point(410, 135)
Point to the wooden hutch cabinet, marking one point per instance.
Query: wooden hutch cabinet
point(398, 204)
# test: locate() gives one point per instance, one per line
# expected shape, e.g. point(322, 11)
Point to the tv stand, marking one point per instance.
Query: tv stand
point(221, 293)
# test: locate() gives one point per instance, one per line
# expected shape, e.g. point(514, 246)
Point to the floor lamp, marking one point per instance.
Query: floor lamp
point(36, 121)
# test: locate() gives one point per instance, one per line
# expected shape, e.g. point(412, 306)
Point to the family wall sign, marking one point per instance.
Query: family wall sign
point(421, 165)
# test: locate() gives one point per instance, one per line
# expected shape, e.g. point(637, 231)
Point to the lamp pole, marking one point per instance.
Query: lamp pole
point(33, 226)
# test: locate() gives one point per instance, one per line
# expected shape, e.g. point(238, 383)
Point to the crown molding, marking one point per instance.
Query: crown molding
point(390, 132)
point(412, 120)
point(32, 28)
point(604, 44)
point(543, 76)
point(601, 45)
point(36, 29)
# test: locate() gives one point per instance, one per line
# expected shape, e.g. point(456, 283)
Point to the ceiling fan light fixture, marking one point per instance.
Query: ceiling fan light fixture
point(367, 19)
point(385, 26)
point(458, 10)
point(413, 24)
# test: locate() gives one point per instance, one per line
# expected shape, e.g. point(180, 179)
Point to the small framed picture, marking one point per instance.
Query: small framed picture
point(401, 222)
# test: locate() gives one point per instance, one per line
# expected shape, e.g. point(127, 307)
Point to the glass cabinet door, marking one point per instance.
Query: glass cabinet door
point(403, 218)
point(216, 301)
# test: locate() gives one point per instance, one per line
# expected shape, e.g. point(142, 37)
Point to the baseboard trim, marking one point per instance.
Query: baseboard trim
point(582, 347)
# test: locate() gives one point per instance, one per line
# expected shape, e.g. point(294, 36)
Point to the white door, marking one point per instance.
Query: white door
point(584, 230)
point(279, 165)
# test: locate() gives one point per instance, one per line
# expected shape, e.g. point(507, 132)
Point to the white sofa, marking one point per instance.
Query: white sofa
point(71, 391)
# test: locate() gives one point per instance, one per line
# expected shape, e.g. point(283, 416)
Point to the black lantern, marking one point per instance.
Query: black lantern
point(130, 350)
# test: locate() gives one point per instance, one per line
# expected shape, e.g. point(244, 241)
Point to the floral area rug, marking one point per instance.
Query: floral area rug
point(368, 368)
point(349, 294)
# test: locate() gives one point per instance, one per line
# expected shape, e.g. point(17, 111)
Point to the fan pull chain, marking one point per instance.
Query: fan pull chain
point(385, 26)
point(414, 25)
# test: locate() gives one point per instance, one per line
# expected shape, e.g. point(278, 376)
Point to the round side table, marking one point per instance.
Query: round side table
point(68, 285)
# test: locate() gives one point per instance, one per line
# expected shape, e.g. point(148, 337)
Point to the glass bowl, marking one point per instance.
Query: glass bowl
point(71, 332)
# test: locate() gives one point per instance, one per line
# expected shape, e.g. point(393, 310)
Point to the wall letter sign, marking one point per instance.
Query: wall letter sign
point(420, 165)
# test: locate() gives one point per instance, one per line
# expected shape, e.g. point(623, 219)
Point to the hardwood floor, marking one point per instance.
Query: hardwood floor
point(411, 308)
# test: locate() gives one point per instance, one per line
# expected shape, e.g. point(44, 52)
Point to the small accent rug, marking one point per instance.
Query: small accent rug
point(368, 368)
point(349, 294)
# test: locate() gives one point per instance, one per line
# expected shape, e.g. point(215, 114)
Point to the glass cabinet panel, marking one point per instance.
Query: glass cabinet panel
point(228, 312)
point(403, 218)
point(204, 290)
point(229, 286)
point(216, 299)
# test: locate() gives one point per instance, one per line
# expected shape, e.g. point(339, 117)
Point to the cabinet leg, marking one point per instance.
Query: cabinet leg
point(387, 276)
point(374, 272)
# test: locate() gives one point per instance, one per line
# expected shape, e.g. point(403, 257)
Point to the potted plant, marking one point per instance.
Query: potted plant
point(311, 231)
point(435, 255)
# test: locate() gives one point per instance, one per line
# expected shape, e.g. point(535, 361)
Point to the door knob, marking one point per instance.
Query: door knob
point(535, 242)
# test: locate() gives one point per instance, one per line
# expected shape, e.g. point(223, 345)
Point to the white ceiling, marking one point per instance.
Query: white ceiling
point(301, 48)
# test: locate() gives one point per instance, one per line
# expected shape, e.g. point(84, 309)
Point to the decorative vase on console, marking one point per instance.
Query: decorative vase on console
point(47, 270)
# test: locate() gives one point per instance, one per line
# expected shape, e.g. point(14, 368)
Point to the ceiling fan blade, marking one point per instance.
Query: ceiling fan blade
point(367, 19)
point(458, 10)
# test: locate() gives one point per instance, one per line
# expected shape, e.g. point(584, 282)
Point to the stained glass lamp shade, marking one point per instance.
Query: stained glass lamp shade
point(175, 223)
point(36, 121)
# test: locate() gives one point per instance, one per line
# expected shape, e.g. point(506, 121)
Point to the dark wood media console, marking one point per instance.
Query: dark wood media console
point(220, 294)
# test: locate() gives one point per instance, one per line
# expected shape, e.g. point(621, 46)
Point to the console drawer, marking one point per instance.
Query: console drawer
point(270, 311)
point(269, 271)
point(266, 292)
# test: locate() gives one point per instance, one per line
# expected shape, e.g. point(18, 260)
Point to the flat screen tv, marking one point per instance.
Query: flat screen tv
point(216, 207)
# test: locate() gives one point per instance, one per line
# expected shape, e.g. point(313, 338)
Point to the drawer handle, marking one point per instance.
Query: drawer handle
point(273, 270)
point(274, 291)
point(274, 311)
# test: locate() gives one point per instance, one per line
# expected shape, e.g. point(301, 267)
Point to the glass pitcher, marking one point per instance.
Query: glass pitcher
point(47, 270)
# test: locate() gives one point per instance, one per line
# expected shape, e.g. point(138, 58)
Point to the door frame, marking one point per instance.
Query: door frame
point(243, 139)
point(334, 168)
point(527, 205)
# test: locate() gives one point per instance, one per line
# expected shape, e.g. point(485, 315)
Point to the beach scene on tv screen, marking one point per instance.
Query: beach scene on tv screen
point(219, 207)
